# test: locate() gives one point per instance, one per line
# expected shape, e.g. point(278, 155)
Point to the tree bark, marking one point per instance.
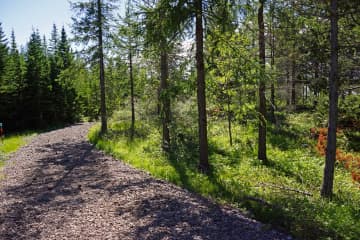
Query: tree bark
point(201, 97)
point(132, 127)
point(272, 63)
point(164, 98)
point(293, 83)
point(262, 99)
point(102, 72)
point(229, 120)
point(328, 178)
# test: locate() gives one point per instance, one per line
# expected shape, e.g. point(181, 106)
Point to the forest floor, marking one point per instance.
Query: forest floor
point(60, 187)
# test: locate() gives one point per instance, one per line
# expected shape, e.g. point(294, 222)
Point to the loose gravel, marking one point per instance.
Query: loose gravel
point(60, 187)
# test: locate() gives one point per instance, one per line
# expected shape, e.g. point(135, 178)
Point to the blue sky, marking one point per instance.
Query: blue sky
point(25, 15)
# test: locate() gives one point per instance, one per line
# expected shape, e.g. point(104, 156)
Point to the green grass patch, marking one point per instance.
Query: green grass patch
point(284, 193)
point(11, 143)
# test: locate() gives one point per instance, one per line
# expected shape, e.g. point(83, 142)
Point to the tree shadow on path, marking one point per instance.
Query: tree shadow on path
point(64, 178)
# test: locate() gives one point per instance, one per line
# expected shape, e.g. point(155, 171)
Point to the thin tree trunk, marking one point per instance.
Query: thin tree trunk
point(316, 75)
point(288, 80)
point(201, 97)
point(165, 99)
point(132, 127)
point(328, 179)
point(229, 121)
point(272, 63)
point(262, 99)
point(293, 84)
point(303, 94)
point(102, 72)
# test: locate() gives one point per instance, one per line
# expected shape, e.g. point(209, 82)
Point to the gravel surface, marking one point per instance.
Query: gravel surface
point(60, 187)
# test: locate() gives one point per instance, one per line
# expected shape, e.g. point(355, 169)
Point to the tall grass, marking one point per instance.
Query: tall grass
point(284, 193)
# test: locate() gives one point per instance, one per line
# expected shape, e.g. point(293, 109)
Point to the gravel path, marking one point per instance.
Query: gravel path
point(60, 187)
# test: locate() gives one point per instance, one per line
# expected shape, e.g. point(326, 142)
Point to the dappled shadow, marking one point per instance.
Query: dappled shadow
point(53, 186)
point(69, 187)
point(182, 217)
point(284, 138)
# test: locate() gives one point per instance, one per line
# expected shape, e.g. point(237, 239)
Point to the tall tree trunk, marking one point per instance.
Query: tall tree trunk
point(288, 80)
point(132, 127)
point(262, 99)
point(328, 179)
point(165, 99)
point(272, 63)
point(316, 76)
point(293, 84)
point(201, 97)
point(229, 120)
point(102, 72)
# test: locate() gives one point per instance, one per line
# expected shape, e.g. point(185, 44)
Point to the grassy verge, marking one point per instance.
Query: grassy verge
point(284, 193)
point(11, 144)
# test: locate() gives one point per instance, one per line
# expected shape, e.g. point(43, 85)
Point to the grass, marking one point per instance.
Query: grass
point(284, 193)
point(11, 143)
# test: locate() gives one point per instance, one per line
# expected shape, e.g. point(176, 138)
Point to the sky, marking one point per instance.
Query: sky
point(25, 15)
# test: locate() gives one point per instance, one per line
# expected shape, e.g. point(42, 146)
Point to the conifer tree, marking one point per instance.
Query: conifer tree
point(3, 53)
point(53, 40)
point(262, 100)
point(328, 178)
point(160, 34)
point(14, 70)
point(15, 79)
point(63, 50)
point(127, 42)
point(36, 80)
point(90, 26)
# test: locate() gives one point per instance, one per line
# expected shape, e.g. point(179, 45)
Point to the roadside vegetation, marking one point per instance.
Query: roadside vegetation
point(12, 143)
point(284, 193)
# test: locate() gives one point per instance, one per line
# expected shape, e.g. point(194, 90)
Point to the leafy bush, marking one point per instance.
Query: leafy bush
point(349, 111)
point(348, 115)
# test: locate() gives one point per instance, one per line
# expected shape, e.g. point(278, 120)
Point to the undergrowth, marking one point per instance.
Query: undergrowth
point(284, 193)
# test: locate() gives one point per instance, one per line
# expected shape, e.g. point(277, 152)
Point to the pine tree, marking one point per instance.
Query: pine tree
point(160, 34)
point(63, 51)
point(37, 82)
point(63, 91)
point(53, 44)
point(14, 74)
point(328, 179)
point(90, 26)
point(262, 99)
point(3, 53)
point(5, 92)
point(201, 96)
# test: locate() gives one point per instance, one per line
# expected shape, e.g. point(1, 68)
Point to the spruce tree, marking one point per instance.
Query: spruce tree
point(14, 71)
point(328, 178)
point(262, 100)
point(90, 26)
point(3, 53)
point(36, 80)
point(63, 51)
point(64, 61)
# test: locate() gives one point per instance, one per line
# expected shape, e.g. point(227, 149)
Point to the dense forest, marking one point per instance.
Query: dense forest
point(206, 83)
